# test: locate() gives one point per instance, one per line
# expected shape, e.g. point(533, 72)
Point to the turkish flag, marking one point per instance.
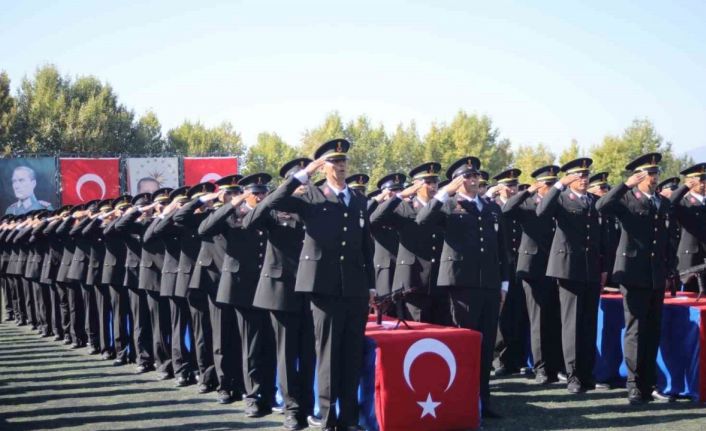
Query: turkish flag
point(84, 180)
point(426, 378)
point(201, 169)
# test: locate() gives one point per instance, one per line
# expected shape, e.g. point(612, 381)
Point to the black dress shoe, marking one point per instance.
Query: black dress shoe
point(293, 423)
point(184, 380)
point(67, 341)
point(635, 397)
point(106, 356)
point(78, 345)
point(204, 388)
point(58, 337)
point(21, 323)
point(224, 397)
point(487, 413)
point(314, 421)
point(278, 408)
point(504, 372)
point(94, 350)
point(574, 386)
point(542, 378)
point(164, 375)
point(119, 362)
point(255, 410)
point(656, 396)
point(144, 368)
point(9, 318)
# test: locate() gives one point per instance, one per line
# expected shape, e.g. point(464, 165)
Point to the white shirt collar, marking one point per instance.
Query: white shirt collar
point(346, 191)
point(699, 197)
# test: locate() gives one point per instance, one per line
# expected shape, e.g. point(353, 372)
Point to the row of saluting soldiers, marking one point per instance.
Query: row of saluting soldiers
point(269, 283)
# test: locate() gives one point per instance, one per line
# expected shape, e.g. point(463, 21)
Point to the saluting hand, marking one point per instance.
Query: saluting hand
point(568, 179)
point(411, 190)
point(455, 184)
point(314, 166)
point(635, 179)
point(238, 199)
point(534, 187)
point(691, 182)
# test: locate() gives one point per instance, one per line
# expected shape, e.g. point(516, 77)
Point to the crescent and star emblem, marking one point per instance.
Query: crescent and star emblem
point(90, 178)
point(211, 176)
point(429, 345)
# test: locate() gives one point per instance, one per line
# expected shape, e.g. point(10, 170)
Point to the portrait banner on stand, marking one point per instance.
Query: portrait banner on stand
point(148, 174)
point(28, 184)
point(84, 179)
point(201, 169)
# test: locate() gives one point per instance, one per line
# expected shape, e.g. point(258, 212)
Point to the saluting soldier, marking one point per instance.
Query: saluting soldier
point(336, 270)
point(473, 265)
point(541, 292)
point(358, 183)
point(7, 293)
point(665, 189)
point(690, 211)
point(42, 295)
point(418, 255)
point(290, 313)
point(610, 228)
point(227, 358)
point(164, 228)
point(643, 263)
point(23, 249)
point(575, 261)
point(50, 268)
point(513, 320)
point(75, 299)
point(187, 219)
point(141, 327)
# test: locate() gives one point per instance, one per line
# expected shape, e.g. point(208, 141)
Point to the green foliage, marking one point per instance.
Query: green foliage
point(573, 151)
point(148, 134)
point(528, 158)
point(268, 155)
point(195, 138)
point(8, 113)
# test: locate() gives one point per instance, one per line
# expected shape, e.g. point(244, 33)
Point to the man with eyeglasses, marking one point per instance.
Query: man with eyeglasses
point(575, 261)
point(417, 265)
point(473, 265)
point(643, 263)
point(690, 210)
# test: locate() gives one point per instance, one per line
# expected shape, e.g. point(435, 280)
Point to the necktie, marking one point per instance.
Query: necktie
point(653, 202)
point(342, 198)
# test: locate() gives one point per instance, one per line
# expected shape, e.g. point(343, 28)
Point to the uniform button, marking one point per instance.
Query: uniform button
point(345, 214)
point(261, 244)
point(588, 237)
point(433, 247)
point(200, 263)
point(480, 218)
point(481, 240)
point(433, 260)
point(259, 267)
point(259, 233)
point(259, 255)
point(306, 257)
point(377, 266)
point(267, 275)
point(654, 241)
point(653, 255)
point(345, 228)
point(433, 235)
point(342, 258)
point(343, 243)
point(588, 225)
point(402, 262)
point(480, 229)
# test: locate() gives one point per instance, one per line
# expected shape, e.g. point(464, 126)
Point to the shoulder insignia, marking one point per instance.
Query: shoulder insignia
point(572, 196)
point(327, 191)
point(692, 200)
point(638, 195)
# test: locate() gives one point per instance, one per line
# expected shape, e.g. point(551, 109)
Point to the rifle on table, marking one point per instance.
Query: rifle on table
point(383, 302)
point(698, 271)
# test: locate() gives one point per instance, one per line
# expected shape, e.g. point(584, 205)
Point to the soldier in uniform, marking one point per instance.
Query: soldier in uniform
point(227, 357)
point(358, 183)
point(245, 252)
point(290, 313)
point(40, 245)
point(643, 263)
point(473, 265)
point(417, 266)
point(336, 270)
point(7, 293)
point(482, 183)
point(131, 232)
point(513, 321)
point(385, 235)
point(575, 261)
point(665, 189)
point(50, 268)
point(187, 219)
point(541, 292)
point(76, 327)
point(690, 211)
point(163, 227)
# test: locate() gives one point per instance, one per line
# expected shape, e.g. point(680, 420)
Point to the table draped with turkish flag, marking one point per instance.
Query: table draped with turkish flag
point(681, 360)
point(86, 179)
point(422, 378)
point(202, 169)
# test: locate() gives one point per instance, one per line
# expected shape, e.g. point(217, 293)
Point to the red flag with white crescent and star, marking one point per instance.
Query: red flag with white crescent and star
point(427, 378)
point(202, 169)
point(84, 180)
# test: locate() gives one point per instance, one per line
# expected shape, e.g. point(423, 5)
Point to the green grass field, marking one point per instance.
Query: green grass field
point(46, 385)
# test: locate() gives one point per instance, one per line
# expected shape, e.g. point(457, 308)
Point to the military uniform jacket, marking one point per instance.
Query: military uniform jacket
point(644, 256)
point(131, 232)
point(79, 262)
point(691, 215)
point(472, 254)
point(4, 251)
point(576, 248)
point(114, 260)
point(13, 250)
point(68, 253)
point(52, 256)
point(386, 243)
point(209, 262)
point(93, 232)
point(419, 252)
point(163, 228)
point(245, 252)
point(285, 233)
point(39, 244)
point(21, 240)
point(610, 237)
point(335, 258)
point(512, 237)
point(537, 234)
point(188, 223)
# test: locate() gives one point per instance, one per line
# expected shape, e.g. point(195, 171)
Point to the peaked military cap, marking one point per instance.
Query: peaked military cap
point(200, 189)
point(92, 206)
point(229, 183)
point(546, 173)
point(522, 187)
point(358, 181)
point(179, 194)
point(256, 183)
point(392, 181)
point(465, 165)
point(670, 183)
point(293, 166)
point(645, 163)
point(142, 199)
point(576, 166)
point(598, 179)
point(425, 170)
point(443, 183)
point(508, 177)
point(66, 209)
point(335, 149)
point(484, 177)
point(373, 193)
point(162, 194)
point(122, 202)
point(696, 171)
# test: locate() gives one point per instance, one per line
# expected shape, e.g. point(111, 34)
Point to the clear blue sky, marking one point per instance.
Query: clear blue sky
point(548, 73)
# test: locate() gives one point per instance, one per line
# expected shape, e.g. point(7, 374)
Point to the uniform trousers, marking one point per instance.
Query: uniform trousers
point(579, 323)
point(545, 325)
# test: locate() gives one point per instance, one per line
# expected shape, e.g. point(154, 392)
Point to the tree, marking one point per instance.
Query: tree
point(528, 158)
point(8, 112)
point(639, 138)
point(148, 134)
point(366, 142)
point(403, 151)
point(331, 128)
point(268, 155)
point(572, 152)
point(194, 138)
